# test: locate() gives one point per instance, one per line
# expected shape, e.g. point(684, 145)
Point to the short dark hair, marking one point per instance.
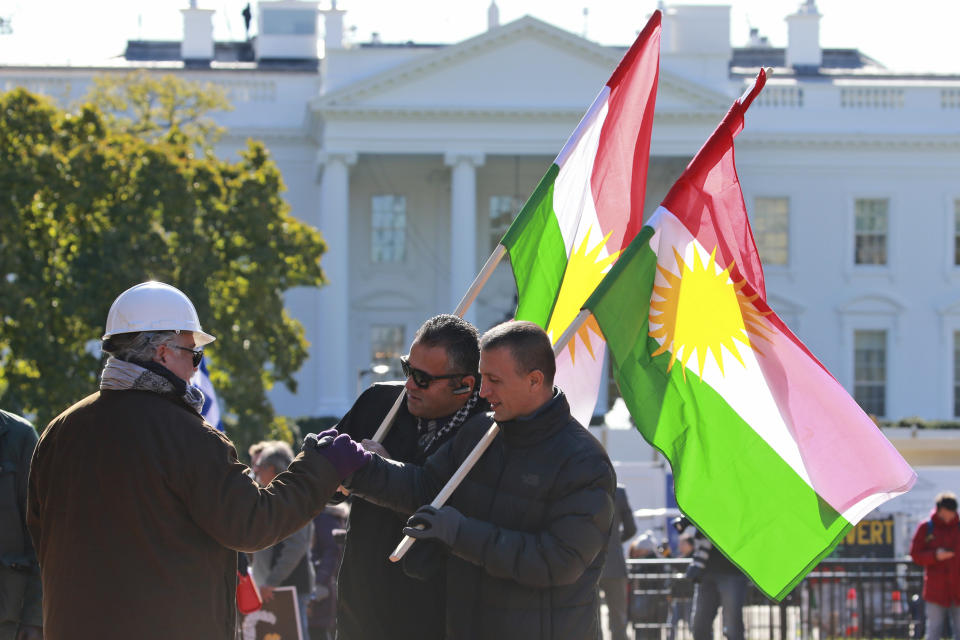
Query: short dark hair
point(459, 339)
point(528, 344)
point(947, 500)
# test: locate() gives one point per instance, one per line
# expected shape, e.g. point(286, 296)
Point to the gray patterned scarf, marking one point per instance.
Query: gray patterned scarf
point(433, 430)
point(120, 375)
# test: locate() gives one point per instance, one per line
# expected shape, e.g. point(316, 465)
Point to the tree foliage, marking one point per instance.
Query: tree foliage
point(151, 106)
point(90, 206)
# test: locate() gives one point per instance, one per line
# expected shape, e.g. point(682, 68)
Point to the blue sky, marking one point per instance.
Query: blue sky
point(922, 38)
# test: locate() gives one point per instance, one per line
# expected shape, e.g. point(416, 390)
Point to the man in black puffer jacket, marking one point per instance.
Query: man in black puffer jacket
point(527, 529)
point(375, 599)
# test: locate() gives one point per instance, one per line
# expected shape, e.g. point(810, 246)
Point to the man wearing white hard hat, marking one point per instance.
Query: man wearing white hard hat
point(137, 507)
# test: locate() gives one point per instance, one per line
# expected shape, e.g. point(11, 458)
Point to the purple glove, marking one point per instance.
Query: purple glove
point(341, 451)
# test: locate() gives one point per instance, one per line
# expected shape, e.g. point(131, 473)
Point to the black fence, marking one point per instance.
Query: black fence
point(841, 598)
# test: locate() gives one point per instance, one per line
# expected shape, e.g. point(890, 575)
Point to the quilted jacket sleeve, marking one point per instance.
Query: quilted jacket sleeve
point(406, 487)
point(577, 527)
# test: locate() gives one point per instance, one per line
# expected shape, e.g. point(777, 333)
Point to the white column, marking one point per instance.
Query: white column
point(463, 225)
point(335, 395)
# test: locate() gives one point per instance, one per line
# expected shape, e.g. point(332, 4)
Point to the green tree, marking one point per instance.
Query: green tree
point(151, 106)
point(90, 206)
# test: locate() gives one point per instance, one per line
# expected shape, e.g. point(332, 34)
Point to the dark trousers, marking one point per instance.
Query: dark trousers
point(726, 590)
point(615, 593)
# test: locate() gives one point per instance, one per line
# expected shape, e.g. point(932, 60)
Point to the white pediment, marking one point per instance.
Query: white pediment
point(524, 66)
point(874, 303)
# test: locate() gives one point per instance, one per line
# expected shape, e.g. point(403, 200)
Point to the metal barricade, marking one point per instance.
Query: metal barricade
point(841, 598)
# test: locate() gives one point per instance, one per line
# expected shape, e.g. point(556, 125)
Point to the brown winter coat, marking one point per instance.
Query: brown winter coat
point(137, 509)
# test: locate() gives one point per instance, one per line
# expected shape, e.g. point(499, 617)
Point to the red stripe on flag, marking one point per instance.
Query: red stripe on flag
point(619, 177)
point(707, 198)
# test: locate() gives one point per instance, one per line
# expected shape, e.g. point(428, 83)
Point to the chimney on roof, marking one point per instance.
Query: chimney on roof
point(803, 37)
point(697, 30)
point(493, 16)
point(197, 44)
point(333, 27)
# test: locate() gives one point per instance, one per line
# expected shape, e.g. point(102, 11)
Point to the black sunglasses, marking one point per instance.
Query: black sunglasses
point(421, 378)
point(197, 353)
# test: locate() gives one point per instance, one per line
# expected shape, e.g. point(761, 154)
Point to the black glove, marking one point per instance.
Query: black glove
point(424, 560)
point(434, 524)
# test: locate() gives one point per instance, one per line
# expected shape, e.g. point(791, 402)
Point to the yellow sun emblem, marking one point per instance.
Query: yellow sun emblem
point(585, 270)
point(702, 310)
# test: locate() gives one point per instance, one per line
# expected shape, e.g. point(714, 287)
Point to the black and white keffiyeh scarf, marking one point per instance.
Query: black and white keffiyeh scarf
point(433, 430)
point(120, 375)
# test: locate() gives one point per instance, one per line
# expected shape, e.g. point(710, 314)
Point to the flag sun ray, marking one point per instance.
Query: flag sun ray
point(585, 270)
point(686, 330)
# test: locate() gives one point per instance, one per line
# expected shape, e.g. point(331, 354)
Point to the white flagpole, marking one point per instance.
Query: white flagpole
point(451, 485)
point(461, 309)
point(481, 446)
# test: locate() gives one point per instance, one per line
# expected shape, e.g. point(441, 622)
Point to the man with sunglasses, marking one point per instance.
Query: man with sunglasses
point(137, 507)
point(375, 599)
point(525, 532)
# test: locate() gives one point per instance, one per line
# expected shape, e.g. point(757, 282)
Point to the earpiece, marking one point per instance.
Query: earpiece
point(464, 387)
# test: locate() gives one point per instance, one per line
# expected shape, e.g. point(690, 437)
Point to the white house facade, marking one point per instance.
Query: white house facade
point(412, 159)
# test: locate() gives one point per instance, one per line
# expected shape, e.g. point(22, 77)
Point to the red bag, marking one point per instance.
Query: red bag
point(248, 596)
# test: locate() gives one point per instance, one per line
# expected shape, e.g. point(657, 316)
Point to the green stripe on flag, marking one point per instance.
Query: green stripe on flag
point(728, 480)
point(538, 255)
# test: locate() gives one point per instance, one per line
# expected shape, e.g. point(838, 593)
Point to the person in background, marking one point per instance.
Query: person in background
point(137, 507)
point(287, 563)
point(681, 589)
point(718, 583)
point(326, 553)
point(376, 599)
point(613, 580)
point(647, 604)
point(20, 590)
point(936, 548)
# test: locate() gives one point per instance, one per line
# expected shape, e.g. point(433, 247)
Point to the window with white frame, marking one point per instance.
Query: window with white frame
point(386, 347)
point(388, 228)
point(870, 370)
point(871, 221)
point(956, 374)
point(956, 232)
point(771, 229)
point(503, 209)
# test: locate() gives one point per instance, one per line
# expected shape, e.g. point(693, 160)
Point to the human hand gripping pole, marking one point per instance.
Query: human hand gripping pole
point(430, 523)
point(340, 450)
point(448, 489)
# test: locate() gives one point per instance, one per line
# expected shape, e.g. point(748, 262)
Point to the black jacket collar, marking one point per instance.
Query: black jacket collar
point(526, 431)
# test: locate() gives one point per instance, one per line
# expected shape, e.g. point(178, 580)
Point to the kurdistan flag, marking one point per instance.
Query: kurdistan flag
point(587, 207)
point(772, 459)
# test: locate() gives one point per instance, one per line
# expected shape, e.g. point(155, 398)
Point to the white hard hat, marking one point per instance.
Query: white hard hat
point(154, 306)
